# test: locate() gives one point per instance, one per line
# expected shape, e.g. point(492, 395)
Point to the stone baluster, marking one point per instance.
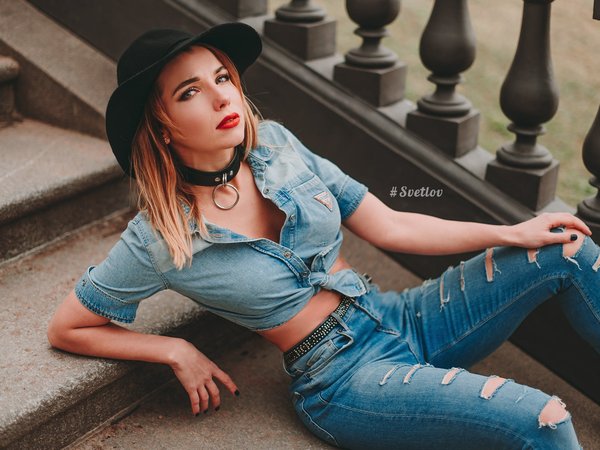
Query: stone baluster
point(9, 71)
point(447, 48)
point(243, 8)
point(302, 28)
point(589, 209)
point(372, 71)
point(525, 169)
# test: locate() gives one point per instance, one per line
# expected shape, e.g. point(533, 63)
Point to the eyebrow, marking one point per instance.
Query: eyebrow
point(193, 80)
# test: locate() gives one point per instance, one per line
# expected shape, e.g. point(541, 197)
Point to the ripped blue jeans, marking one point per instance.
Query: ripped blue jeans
point(392, 374)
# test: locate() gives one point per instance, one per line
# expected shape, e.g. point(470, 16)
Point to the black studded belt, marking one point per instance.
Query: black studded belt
point(318, 333)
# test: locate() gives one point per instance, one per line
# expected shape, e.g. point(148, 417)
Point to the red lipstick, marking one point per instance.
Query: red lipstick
point(229, 121)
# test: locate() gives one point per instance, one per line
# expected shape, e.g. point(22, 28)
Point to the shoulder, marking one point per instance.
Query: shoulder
point(273, 134)
point(139, 231)
point(147, 243)
point(270, 127)
point(276, 141)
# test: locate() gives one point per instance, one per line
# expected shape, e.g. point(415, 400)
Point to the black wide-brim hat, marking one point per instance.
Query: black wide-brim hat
point(141, 63)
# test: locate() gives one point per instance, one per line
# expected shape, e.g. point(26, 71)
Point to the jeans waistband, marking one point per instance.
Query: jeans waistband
point(319, 333)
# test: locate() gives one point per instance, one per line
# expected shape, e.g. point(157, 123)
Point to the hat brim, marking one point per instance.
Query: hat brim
point(126, 105)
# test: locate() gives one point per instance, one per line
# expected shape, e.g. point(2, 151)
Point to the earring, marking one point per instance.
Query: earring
point(166, 139)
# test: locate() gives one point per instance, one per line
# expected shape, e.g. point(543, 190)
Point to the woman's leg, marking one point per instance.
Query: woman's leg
point(363, 387)
point(471, 309)
point(389, 405)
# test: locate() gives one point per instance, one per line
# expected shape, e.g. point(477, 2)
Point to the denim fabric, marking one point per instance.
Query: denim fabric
point(384, 378)
point(257, 283)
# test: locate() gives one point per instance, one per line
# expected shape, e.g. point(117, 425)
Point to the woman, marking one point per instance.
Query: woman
point(239, 216)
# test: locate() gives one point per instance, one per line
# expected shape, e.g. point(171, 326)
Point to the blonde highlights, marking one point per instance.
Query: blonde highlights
point(162, 190)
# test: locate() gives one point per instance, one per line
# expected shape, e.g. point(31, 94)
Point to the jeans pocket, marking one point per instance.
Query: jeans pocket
point(323, 357)
point(307, 420)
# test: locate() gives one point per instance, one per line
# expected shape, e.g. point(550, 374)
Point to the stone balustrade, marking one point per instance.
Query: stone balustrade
point(524, 168)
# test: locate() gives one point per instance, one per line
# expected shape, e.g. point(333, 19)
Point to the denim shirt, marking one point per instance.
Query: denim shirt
point(254, 282)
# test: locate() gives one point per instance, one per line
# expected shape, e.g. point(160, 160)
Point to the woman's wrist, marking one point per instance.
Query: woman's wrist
point(175, 351)
point(508, 235)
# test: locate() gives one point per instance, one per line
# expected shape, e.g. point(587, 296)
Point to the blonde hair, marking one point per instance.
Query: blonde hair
point(162, 190)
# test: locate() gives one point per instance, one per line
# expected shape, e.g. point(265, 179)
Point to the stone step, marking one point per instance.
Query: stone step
point(50, 397)
point(62, 79)
point(9, 73)
point(53, 180)
point(57, 170)
point(262, 417)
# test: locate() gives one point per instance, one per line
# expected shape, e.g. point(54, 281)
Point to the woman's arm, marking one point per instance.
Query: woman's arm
point(76, 329)
point(415, 233)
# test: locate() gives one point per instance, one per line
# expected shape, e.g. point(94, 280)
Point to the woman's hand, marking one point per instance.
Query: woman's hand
point(195, 372)
point(536, 232)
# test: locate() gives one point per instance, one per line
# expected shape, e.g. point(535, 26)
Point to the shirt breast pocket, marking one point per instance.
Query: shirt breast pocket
point(319, 214)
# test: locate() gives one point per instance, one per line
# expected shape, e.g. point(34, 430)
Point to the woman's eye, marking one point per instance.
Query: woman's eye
point(184, 96)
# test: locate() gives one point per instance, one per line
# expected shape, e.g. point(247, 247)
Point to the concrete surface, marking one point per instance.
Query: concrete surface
point(63, 80)
point(41, 164)
point(53, 181)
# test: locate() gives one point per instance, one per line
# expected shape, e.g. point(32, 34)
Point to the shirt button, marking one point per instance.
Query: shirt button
point(266, 190)
point(287, 254)
point(292, 218)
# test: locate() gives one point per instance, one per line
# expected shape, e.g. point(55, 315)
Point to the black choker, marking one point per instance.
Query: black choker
point(217, 178)
point(203, 178)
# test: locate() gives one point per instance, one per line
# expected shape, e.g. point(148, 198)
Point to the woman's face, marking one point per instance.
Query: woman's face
point(198, 94)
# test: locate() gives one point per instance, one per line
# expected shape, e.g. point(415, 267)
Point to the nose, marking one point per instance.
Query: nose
point(220, 98)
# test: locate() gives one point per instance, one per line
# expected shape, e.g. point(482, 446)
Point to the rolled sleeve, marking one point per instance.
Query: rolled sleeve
point(115, 287)
point(348, 191)
point(353, 192)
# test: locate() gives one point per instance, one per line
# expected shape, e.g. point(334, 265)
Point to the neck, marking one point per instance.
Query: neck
point(209, 163)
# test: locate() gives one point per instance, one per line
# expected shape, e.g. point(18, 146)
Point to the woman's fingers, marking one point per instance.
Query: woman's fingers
point(195, 401)
point(208, 392)
point(570, 235)
point(203, 398)
point(215, 397)
point(227, 381)
point(569, 220)
point(199, 384)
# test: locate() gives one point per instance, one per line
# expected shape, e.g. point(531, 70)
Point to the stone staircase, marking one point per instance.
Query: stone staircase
point(63, 204)
point(57, 171)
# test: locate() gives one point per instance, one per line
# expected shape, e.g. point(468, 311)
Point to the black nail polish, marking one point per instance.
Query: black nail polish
point(237, 392)
point(573, 237)
point(217, 408)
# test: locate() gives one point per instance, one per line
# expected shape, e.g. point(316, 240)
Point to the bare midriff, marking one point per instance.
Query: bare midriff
point(316, 311)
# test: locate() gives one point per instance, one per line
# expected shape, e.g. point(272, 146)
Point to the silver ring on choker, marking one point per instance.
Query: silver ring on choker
point(225, 184)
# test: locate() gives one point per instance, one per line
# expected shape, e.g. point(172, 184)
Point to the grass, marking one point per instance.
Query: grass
point(574, 35)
